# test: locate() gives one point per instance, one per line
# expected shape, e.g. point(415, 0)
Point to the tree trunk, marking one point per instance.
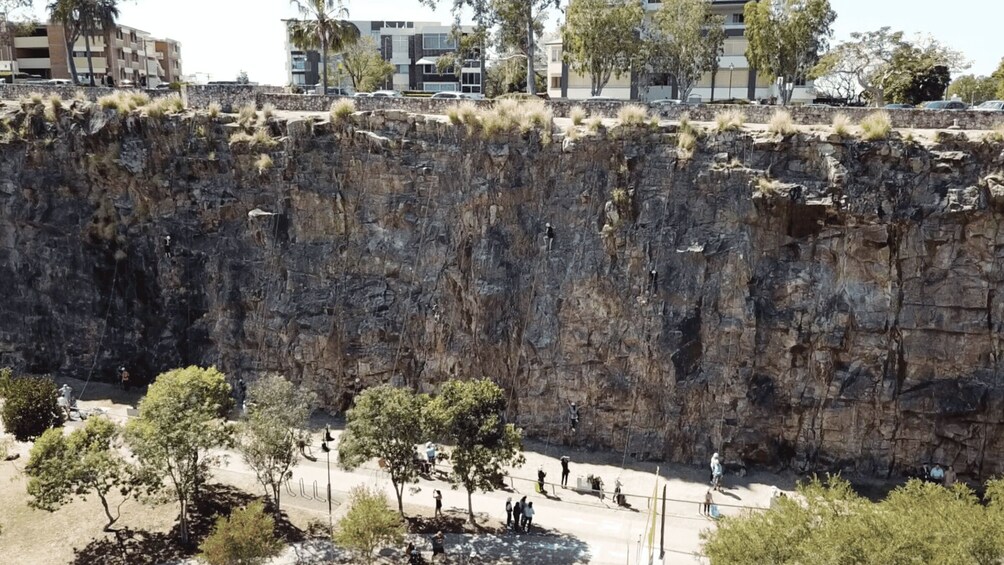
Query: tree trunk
point(324, 64)
point(108, 512)
point(399, 491)
point(470, 507)
point(276, 492)
point(90, 60)
point(69, 56)
point(531, 78)
point(184, 521)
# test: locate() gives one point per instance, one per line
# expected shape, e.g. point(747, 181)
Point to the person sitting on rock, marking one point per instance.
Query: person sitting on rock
point(937, 474)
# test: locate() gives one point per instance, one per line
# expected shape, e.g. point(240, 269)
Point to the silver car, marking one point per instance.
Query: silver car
point(450, 96)
point(991, 106)
point(386, 94)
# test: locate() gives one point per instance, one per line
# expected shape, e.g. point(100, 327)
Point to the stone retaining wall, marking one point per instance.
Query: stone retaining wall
point(232, 97)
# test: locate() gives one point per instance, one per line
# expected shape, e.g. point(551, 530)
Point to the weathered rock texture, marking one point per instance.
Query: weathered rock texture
point(821, 303)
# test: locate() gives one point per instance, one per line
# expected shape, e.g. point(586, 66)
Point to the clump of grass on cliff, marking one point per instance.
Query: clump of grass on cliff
point(164, 105)
point(260, 138)
point(730, 120)
point(342, 109)
point(578, 115)
point(124, 102)
point(268, 111)
point(247, 116)
point(214, 110)
point(511, 114)
point(264, 163)
point(462, 113)
point(841, 125)
point(876, 126)
point(781, 123)
point(686, 139)
point(594, 124)
point(53, 108)
point(768, 187)
point(633, 115)
point(997, 135)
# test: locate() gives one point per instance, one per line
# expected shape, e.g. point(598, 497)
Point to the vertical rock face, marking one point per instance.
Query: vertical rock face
point(807, 301)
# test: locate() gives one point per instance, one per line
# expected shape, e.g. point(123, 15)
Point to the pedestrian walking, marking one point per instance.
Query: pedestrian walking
point(517, 514)
point(540, 480)
point(439, 502)
point(708, 501)
point(528, 516)
point(523, 506)
point(508, 513)
point(564, 471)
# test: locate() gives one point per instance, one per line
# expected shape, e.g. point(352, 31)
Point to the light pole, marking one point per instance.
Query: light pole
point(327, 456)
point(732, 67)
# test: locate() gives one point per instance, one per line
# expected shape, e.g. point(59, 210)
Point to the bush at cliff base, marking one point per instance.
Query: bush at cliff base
point(30, 407)
point(827, 522)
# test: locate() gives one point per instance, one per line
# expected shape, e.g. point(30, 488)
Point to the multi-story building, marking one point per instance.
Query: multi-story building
point(120, 52)
point(734, 79)
point(412, 47)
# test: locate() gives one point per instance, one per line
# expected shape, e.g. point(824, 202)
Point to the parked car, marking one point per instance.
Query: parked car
point(601, 99)
point(991, 106)
point(451, 96)
point(898, 106)
point(127, 84)
point(386, 94)
point(330, 91)
point(59, 81)
point(944, 105)
point(362, 95)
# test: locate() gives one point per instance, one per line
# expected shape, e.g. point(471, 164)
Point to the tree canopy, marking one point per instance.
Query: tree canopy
point(29, 406)
point(270, 433)
point(83, 463)
point(179, 422)
point(973, 89)
point(827, 522)
point(246, 537)
point(365, 66)
point(386, 423)
point(600, 38)
point(884, 63)
point(785, 37)
point(684, 39)
point(469, 416)
point(322, 25)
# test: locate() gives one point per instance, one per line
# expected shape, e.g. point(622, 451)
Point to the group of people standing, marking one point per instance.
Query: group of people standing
point(519, 515)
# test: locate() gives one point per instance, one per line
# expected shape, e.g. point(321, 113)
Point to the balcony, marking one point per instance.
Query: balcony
point(31, 42)
point(34, 63)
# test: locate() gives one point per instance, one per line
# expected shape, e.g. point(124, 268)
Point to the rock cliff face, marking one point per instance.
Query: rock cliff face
point(807, 301)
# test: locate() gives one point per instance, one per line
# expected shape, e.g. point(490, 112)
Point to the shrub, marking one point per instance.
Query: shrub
point(108, 102)
point(268, 111)
point(633, 115)
point(730, 120)
point(247, 537)
point(369, 523)
point(30, 407)
point(342, 108)
point(841, 125)
point(247, 115)
point(876, 126)
point(137, 99)
point(578, 115)
point(262, 137)
point(53, 108)
point(781, 123)
point(214, 110)
point(263, 164)
point(6, 377)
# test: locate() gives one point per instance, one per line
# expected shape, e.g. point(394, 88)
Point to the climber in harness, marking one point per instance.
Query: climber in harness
point(573, 416)
point(167, 246)
point(124, 378)
point(548, 235)
point(653, 281)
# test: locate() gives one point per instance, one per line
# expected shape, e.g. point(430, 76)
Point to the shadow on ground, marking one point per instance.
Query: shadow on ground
point(126, 546)
point(541, 546)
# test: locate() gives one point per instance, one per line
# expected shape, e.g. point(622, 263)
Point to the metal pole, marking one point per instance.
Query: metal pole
point(327, 454)
point(662, 535)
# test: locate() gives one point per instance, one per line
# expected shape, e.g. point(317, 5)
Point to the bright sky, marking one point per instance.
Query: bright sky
point(222, 37)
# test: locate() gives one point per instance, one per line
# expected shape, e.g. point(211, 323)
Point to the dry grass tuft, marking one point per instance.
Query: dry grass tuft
point(53, 108)
point(594, 124)
point(841, 125)
point(997, 135)
point(876, 126)
point(633, 115)
point(509, 115)
point(730, 120)
point(268, 111)
point(781, 123)
point(214, 110)
point(577, 114)
point(263, 163)
point(342, 109)
point(462, 113)
point(247, 116)
point(768, 187)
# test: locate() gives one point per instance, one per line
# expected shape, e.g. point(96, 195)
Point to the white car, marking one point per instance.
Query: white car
point(991, 106)
point(451, 96)
point(362, 95)
point(386, 94)
point(59, 81)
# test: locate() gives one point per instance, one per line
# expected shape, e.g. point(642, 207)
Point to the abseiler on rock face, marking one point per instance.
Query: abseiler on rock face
point(806, 301)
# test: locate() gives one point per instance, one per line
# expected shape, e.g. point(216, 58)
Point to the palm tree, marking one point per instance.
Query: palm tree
point(322, 26)
point(96, 13)
point(66, 12)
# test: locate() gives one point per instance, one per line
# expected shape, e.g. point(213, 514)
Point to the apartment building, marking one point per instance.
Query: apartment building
point(412, 47)
point(734, 79)
point(121, 52)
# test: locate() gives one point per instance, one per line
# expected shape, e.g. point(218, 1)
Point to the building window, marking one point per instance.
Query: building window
point(439, 86)
point(555, 82)
point(738, 18)
point(438, 41)
point(470, 78)
point(555, 54)
point(403, 69)
point(300, 64)
point(399, 45)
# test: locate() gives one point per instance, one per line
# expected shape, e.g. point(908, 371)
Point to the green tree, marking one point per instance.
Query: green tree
point(246, 537)
point(600, 37)
point(919, 85)
point(973, 89)
point(270, 433)
point(179, 423)
point(684, 39)
point(95, 15)
point(67, 13)
point(30, 407)
point(468, 415)
point(86, 462)
point(785, 37)
point(385, 423)
point(369, 523)
point(322, 26)
point(883, 60)
point(998, 76)
point(365, 66)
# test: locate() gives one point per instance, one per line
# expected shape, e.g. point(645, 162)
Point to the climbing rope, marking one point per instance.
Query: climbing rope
point(104, 330)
